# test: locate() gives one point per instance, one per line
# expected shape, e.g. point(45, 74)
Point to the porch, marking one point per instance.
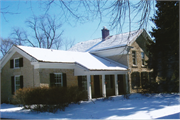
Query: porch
point(103, 85)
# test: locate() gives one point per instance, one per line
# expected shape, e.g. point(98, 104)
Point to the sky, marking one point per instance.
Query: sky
point(22, 10)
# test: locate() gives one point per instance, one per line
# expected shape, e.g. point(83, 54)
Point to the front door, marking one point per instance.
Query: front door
point(120, 85)
point(96, 86)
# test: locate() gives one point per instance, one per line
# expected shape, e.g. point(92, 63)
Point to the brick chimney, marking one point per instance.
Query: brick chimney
point(105, 33)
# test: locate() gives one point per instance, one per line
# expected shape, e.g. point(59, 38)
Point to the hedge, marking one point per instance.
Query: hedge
point(49, 99)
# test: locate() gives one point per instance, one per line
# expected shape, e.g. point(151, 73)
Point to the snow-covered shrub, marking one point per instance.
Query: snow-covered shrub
point(49, 99)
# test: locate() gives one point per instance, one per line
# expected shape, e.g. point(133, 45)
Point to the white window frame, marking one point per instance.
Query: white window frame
point(61, 78)
point(135, 57)
point(15, 82)
point(15, 63)
point(143, 58)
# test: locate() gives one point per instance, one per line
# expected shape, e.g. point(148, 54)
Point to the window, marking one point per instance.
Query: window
point(134, 57)
point(109, 81)
point(144, 78)
point(135, 80)
point(16, 63)
point(16, 83)
point(143, 58)
point(82, 82)
point(58, 79)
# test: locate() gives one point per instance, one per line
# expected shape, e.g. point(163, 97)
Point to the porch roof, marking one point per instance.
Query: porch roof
point(84, 59)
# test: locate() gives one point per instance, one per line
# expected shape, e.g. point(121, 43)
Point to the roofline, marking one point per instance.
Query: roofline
point(107, 70)
point(6, 53)
point(109, 48)
point(27, 53)
point(16, 48)
point(84, 66)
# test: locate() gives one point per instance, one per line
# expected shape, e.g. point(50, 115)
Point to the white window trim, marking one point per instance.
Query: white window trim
point(15, 81)
point(15, 62)
point(61, 79)
point(142, 59)
point(135, 58)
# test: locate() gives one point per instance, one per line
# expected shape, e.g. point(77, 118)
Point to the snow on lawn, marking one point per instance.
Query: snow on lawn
point(156, 106)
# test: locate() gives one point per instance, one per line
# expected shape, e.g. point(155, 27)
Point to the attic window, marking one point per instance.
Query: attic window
point(16, 63)
point(142, 58)
point(134, 57)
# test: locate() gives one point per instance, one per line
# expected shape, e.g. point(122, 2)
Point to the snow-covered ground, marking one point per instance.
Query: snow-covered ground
point(157, 106)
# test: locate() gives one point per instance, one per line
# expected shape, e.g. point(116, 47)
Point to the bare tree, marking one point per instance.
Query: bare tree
point(20, 37)
point(46, 31)
point(68, 43)
point(5, 45)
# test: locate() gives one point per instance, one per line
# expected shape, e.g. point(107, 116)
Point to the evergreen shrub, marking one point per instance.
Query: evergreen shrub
point(44, 99)
point(163, 86)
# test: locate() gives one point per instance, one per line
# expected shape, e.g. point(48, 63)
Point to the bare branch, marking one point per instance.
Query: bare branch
point(45, 30)
point(5, 45)
point(20, 37)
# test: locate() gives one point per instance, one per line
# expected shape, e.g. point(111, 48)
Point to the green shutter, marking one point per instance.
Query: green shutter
point(64, 80)
point(21, 81)
point(12, 85)
point(11, 63)
point(52, 80)
point(21, 62)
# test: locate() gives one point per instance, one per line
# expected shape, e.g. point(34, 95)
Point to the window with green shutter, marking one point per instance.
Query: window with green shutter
point(58, 80)
point(82, 82)
point(135, 80)
point(143, 58)
point(134, 58)
point(16, 83)
point(144, 78)
point(16, 63)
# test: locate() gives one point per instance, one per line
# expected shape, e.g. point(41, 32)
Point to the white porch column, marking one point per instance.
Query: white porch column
point(116, 84)
point(89, 87)
point(103, 86)
point(126, 77)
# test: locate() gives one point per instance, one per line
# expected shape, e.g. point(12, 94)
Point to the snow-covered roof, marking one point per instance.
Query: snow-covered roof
point(110, 42)
point(85, 59)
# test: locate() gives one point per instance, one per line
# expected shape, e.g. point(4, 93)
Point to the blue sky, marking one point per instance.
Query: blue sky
point(78, 31)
